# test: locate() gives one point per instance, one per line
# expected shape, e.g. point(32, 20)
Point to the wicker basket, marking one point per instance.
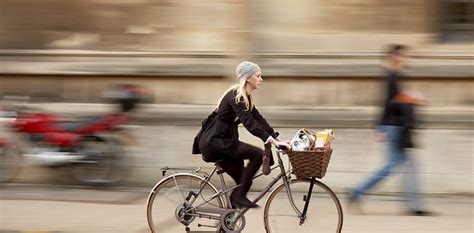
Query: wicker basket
point(308, 164)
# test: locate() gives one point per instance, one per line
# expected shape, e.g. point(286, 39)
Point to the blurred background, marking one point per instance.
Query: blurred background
point(321, 67)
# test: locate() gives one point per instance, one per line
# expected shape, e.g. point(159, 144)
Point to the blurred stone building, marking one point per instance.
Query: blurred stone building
point(313, 52)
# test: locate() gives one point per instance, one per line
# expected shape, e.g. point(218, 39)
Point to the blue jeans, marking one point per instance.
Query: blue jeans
point(396, 157)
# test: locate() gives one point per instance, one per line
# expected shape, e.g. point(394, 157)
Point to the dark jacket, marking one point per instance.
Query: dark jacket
point(398, 113)
point(391, 112)
point(407, 123)
point(219, 136)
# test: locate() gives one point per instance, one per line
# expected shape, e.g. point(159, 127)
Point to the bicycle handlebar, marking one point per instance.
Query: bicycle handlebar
point(282, 149)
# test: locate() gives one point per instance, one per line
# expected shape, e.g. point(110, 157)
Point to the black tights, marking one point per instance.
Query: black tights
point(234, 166)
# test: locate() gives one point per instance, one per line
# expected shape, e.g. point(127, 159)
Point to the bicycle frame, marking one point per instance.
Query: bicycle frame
point(210, 212)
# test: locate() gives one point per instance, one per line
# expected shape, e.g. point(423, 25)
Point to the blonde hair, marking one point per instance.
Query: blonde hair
point(241, 93)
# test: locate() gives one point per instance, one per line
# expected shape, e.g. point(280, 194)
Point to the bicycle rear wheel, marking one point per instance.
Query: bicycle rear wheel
point(324, 213)
point(168, 210)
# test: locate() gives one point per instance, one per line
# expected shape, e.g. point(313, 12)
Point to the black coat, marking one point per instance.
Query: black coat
point(397, 113)
point(219, 136)
point(407, 123)
point(391, 112)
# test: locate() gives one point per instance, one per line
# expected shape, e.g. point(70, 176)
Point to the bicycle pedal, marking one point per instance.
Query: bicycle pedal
point(210, 226)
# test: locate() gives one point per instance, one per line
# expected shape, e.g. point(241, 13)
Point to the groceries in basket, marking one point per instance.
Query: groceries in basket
point(323, 140)
point(303, 140)
point(310, 153)
point(306, 140)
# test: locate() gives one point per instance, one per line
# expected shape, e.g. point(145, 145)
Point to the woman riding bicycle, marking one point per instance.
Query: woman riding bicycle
point(219, 141)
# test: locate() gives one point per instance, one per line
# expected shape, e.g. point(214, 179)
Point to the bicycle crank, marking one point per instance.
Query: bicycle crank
point(232, 221)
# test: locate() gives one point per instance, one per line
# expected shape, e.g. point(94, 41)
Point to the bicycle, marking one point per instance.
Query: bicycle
point(183, 198)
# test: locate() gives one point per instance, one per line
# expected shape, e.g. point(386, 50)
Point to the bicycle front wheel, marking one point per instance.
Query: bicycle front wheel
point(324, 211)
point(169, 211)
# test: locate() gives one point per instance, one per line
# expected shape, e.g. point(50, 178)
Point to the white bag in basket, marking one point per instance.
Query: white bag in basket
point(303, 140)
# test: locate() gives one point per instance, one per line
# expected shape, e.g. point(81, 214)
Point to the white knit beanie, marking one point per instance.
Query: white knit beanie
point(246, 69)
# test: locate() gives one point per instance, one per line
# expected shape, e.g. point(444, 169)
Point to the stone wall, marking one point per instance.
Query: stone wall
point(213, 25)
point(318, 52)
point(275, 91)
point(170, 25)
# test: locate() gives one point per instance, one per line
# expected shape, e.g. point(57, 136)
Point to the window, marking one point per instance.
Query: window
point(457, 20)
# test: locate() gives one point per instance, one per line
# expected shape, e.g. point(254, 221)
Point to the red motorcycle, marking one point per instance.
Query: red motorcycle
point(90, 148)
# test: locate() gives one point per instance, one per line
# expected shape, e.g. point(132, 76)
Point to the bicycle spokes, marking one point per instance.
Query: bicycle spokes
point(169, 211)
point(323, 211)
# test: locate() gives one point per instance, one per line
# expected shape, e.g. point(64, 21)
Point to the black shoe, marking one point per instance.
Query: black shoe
point(353, 203)
point(421, 213)
point(242, 202)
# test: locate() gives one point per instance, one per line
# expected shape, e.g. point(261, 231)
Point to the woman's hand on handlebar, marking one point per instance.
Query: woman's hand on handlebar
point(282, 140)
point(279, 144)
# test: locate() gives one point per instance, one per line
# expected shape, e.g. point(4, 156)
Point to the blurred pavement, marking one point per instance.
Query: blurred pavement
point(165, 133)
point(50, 209)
